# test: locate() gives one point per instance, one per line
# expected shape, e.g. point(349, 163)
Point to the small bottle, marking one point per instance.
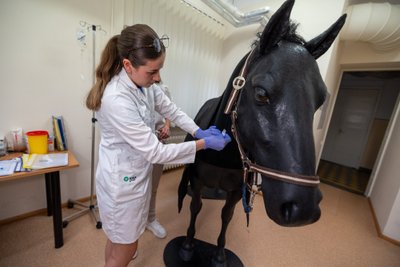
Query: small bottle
point(50, 143)
point(3, 149)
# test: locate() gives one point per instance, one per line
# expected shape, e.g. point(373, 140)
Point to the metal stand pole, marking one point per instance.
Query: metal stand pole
point(92, 207)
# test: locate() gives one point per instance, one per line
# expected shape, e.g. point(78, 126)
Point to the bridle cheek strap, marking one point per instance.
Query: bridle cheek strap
point(237, 84)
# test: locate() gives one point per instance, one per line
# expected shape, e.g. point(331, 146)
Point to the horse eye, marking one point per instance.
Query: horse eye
point(261, 95)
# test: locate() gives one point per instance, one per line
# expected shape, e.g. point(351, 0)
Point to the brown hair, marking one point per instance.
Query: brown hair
point(135, 44)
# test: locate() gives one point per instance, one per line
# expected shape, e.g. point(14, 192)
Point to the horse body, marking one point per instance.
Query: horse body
point(274, 127)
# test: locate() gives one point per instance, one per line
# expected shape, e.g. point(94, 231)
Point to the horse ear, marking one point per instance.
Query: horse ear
point(320, 44)
point(277, 27)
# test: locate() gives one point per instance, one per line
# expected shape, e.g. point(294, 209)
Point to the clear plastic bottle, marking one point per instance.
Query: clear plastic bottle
point(50, 143)
point(3, 149)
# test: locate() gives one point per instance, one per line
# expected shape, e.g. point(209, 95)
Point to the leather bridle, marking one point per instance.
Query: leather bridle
point(249, 167)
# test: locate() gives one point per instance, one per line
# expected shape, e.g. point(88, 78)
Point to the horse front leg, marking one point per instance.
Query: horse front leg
point(232, 198)
point(187, 248)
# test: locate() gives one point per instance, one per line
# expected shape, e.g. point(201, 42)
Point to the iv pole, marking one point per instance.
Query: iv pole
point(92, 206)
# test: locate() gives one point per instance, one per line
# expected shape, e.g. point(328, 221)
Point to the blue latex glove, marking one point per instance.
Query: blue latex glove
point(200, 134)
point(217, 141)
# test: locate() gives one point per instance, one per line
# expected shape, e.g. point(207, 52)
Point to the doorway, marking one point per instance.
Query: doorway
point(361, 114)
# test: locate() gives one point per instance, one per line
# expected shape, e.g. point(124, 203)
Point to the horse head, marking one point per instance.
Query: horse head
point(274, 115)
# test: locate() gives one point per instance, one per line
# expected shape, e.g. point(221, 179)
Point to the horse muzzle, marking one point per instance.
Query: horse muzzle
point(292, 205)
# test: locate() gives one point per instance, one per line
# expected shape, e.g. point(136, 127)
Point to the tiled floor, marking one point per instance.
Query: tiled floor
point(350, 179)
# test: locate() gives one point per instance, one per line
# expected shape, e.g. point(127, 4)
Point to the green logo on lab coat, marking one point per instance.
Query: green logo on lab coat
point(129, 179)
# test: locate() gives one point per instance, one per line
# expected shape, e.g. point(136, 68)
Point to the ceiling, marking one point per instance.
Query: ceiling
point(244, 12)
point(248, 5)
point(240, 12)
point(362, 25)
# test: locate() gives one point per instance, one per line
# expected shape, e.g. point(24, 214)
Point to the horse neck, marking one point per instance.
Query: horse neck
point(221, 119)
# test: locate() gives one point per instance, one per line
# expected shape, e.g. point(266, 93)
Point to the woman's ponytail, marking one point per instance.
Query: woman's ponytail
point(110, 65)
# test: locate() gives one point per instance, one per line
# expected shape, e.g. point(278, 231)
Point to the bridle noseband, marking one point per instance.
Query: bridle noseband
point(250, 168)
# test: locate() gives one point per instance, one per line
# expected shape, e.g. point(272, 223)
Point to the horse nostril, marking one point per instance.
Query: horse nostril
point(287, 211)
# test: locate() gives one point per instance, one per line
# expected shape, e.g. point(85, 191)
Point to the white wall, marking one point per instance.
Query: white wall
point(44, 73)
point(385, 194)
point(361, 55)
point(236, 45)
point(392, 226)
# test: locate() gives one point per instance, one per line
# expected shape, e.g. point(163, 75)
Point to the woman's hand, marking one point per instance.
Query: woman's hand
point(200, 134)
point(217, 141)
point(163, 132)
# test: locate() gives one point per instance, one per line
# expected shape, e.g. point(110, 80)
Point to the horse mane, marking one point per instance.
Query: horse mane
point(290, 35)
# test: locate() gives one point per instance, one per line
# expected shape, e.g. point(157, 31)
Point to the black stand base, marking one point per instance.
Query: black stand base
point(86, 208)
point(202, 254)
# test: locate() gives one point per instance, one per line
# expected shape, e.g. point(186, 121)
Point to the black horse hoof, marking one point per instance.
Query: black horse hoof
point(186, 254)
point(216, 263)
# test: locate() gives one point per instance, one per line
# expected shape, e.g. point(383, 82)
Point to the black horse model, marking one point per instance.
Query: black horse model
point(269, 111)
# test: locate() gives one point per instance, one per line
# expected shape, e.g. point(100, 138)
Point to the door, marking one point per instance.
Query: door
point(348, 131)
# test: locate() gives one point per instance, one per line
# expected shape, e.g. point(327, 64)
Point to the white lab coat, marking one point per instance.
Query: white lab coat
point(127, 151)
point(160, 120)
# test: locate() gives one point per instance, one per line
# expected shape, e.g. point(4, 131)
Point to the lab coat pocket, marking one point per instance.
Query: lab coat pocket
point(131, 165)
point(131, 170)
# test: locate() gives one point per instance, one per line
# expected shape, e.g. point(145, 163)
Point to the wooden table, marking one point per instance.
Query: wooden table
point(53, 192)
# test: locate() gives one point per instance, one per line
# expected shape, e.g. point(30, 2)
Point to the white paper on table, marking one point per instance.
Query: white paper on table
point(42, 161)
point(7, 167)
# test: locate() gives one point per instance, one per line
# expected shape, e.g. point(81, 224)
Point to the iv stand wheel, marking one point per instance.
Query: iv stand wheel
point(99, 225)
point(70, 204)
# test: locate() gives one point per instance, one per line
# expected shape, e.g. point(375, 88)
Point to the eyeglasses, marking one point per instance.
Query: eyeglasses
point(157, 44)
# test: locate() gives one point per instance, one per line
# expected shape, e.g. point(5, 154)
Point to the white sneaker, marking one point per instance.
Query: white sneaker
point(156, 228)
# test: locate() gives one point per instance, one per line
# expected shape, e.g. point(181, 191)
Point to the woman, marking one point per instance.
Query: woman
point(125, 102)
